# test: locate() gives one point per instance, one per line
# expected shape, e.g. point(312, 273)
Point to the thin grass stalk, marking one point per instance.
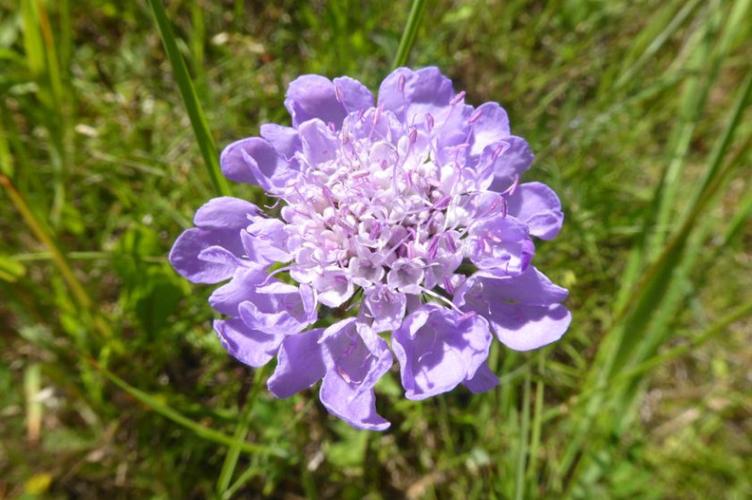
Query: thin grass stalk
point(44, 237)
point(519, 482)
point(66, 37)
point(721, 326)
point(654, 226)
point(190, 99)
point(445, 425)
point(684, 281)
point(735, 227)
point(249, 473)
point(241, 431)
point(690, 113)
point(52, 62)
point(38, 229)
point(6, 160)
point(43, 65)
point(170, 413)
point(711, 185)
point(507, 392)
point(32, 38)
point(655, 286)
point(535, 433)
point(409, 33)
point(658, 283)
point(623, 387)
point(734, 23)
point(675, 22)
point(739, 313)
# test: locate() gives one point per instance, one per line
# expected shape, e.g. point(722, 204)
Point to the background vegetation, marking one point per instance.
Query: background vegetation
point(112, 383)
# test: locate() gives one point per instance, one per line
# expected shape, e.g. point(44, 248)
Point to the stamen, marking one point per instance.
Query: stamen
point(274, 273)
point(412, 136)
point(440, 297)
point(498, 150)
point(475, 116)
point(457, 98)
point(448, 286)
point(338, 93)
point(433, 247)
point(442, 203)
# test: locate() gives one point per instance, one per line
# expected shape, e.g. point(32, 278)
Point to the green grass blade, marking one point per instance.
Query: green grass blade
point(190, 99)
point(233, 453)
point(657, 295)
point(243, 478)
point(519, 483)
point(717, 328)
point(170, 413)
point(535, 433)
point(59, 130)
point(675, 20)
point(721, 147)
point(6, 160)
point(32, 37)
point(409, 33)
point(43, 235)
point(655, 224)
point(663, 200)
point(231, 459)
point(691, 110)
point(66, 35)
point(672, 298)
point(672, 354)
point(53, 63)
point(43, 65)
point(741, 217)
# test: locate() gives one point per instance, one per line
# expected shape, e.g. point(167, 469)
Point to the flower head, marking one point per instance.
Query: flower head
point(406, 215)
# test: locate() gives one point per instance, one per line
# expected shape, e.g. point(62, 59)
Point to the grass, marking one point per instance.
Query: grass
point(111, 382)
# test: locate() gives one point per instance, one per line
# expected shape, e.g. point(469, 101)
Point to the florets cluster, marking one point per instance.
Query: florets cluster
point(404, 217)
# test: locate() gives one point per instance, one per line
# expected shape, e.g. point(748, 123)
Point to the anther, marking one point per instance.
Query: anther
point(456, 99)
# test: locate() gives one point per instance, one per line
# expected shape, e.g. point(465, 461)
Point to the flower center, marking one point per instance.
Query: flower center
point(377, 207)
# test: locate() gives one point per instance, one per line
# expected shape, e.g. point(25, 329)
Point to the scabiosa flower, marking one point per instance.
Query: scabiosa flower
point(404, 220)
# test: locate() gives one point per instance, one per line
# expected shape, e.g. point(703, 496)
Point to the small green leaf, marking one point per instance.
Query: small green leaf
point(10, 269)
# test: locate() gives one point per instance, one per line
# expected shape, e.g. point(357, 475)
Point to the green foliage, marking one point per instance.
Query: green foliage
point(111, 381)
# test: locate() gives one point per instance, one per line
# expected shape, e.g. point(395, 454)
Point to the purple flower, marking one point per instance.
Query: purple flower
point(524, 311)
point(350, 359)
point(439, 348)
point(405, 214)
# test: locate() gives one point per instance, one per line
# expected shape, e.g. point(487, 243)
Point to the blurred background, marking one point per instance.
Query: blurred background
point(113, 383)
